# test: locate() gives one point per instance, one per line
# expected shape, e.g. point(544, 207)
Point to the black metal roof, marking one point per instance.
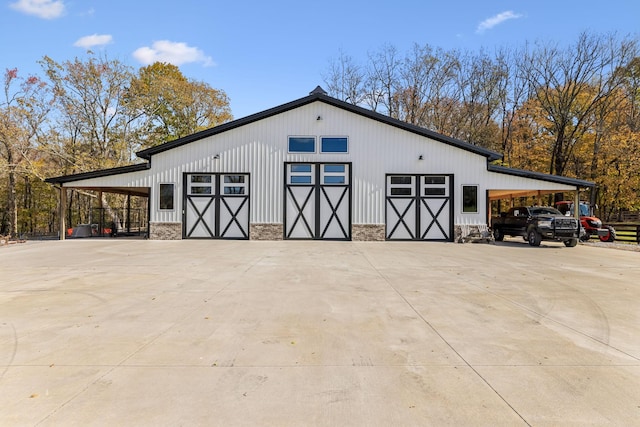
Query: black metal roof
point(318, 94)
point(99, 173)
point(540, 176)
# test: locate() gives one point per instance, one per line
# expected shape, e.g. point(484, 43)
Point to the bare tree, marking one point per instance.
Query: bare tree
point(91, 97)
point(630, 75)
point(382, 79)
point(441, 90)
point(481, 81)
point(345, 79)
point(512, 93)
point(569, 84)
point(413, 84)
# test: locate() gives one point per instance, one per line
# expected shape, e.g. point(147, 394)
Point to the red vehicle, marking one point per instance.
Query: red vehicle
point(590, 223)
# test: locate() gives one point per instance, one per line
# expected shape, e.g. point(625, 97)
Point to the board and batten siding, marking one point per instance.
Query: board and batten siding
point(375, 149)
point(260, 148)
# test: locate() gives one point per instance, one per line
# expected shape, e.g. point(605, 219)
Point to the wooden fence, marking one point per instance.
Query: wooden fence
point(626, 232)
point(630, 216)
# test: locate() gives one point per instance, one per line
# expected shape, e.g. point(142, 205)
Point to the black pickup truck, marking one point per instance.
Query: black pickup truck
point(535, 224)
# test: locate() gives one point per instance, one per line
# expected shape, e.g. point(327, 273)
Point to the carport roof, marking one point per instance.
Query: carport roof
point(99, 173)
point(510, 193)
point(541, 176)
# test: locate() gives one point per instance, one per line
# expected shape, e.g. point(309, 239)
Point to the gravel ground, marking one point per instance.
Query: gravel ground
point(613, 245)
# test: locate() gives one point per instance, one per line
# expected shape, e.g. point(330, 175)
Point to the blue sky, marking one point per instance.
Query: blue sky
point(263, 54)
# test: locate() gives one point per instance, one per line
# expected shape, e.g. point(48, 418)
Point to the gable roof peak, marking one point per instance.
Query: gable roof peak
point(318, 95)
point(318, 91)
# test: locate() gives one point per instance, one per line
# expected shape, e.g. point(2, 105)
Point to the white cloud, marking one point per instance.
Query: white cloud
point(93, 40)
point(89, 12)
point(46, 9)
point(175, 53)
point(489, 23)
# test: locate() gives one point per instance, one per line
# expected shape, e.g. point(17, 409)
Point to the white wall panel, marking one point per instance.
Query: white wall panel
point(375, 149)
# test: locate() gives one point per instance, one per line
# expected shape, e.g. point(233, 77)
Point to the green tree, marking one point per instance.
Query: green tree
point(168, 105)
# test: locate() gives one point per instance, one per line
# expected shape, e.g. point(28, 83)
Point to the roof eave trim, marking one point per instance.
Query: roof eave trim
point(98, 174)
point(147, 153)
point(489, 154)
point(322, 97)
point(541, 176)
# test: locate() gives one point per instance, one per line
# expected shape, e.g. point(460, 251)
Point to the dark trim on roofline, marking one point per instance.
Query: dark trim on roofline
point(540, 176)
point(99, 173)
point(318, 95)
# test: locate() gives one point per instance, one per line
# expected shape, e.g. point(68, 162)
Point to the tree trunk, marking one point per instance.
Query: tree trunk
point(69, 210)
point(12, 207)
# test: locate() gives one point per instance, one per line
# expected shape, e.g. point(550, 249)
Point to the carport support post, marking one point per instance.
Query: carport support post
point(100, 214)
point(576, 204)
point(62, 212)
point(128, 213)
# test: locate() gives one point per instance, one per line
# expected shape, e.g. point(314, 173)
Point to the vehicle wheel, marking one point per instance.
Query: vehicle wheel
point(534, 238)
point(571, 243)
point(609, 237)
point(498, 235)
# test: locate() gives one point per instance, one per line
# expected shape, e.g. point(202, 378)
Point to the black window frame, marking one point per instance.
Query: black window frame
point(469, 201)
point(165, 204)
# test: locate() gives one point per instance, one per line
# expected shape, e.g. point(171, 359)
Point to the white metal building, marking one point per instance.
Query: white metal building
point(318, 168)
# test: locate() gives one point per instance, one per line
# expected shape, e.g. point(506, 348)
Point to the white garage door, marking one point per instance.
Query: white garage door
point(419, 207)
point(318, 201)
point(216, 206)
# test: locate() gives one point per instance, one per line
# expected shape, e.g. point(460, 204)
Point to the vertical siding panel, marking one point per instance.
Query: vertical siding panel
point(375, 149)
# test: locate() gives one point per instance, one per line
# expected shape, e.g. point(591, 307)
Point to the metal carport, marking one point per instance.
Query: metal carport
point(65, 182)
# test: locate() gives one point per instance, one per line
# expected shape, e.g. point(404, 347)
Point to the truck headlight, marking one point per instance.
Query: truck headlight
point(545, 224)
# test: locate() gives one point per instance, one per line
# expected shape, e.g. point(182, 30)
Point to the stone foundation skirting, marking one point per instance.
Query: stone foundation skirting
point(368, 232)
point(165, 230)
point(359, 232)
point(266, 231)
point(464, 233)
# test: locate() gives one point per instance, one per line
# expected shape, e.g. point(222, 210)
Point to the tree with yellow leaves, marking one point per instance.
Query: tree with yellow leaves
point(168, 105)
point(23, 111)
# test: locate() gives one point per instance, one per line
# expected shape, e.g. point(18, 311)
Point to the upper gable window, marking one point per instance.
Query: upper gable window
point(302, 144)
point(334, 144)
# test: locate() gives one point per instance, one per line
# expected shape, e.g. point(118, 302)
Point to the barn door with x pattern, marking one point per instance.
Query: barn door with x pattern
point(435, 207)
point(318, 201)
point(216, 206)
point(418, 207)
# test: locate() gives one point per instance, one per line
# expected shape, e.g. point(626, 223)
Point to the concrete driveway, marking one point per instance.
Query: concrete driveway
point(247, 333)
